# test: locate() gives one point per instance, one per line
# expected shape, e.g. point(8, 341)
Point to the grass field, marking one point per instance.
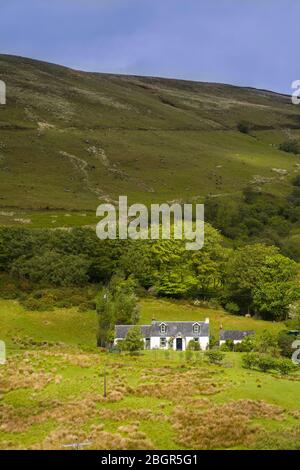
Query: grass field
point(51, 389)
point(71, 139)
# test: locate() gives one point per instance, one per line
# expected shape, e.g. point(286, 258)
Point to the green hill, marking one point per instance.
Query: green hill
point(69, 139)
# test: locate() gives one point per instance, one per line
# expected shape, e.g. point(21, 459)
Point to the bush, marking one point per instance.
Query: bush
point(193, 345)
point(53, 269)
point(215, 356)
point(285, 342)
point(285, 366)
point(247, 344)
point(232, 307)
point(133, 342)
point(243, 127)
point(249, 361)
point(265, 363)
point(290, 146)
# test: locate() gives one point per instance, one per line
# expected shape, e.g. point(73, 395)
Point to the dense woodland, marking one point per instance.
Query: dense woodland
point(46, 268)
point(259, 217)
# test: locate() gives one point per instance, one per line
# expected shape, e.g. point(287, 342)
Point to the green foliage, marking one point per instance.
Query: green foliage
point(249, 361)
point(116, 305)
point(246, 345)
point(188, 354)
point(52, 268)
point(290, 146)
point(133, 341)
point(180, 273)
point(285, 366)
point(258, 277)
point(244, 127)
point(285, 341)
point(266, 342)
point(193, 345)
point(232, 307)
point(266, 363)
point(215, 356)
point(48, 299)
point(259, 217)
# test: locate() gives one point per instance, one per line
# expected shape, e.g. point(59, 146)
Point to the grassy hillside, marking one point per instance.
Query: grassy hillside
point(70, 139)
point(52, 393)
point(79, 328)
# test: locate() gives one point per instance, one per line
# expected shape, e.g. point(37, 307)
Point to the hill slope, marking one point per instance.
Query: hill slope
point(69, 139)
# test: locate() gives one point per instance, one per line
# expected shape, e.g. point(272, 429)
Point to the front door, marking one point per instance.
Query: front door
point(178, 344)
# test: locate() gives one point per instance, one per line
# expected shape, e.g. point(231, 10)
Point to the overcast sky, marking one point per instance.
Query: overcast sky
point(244, 42)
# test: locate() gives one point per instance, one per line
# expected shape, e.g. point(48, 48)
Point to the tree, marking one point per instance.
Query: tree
point(52, 268)
point(215, 356)
point(285, 341)
point(290, 146)
point(275, 289)
point(106, 318)
point(133, 341)
point(272, 300)
point(258, 277)
point(115, 305)
point(266, 342)
point(246, 345)
point(179, 272)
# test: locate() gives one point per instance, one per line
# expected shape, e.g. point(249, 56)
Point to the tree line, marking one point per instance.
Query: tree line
point(254, 278)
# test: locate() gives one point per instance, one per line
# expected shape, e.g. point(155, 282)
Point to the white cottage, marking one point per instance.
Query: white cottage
point(169, 335)
point(236, 336)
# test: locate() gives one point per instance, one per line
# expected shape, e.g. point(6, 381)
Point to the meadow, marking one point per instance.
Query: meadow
point(52, 388)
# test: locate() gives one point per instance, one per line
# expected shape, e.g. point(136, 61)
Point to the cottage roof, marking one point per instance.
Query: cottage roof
point(174, 328)
point(235, 335)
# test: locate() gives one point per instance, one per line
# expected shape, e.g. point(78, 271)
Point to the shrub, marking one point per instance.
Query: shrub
point(194, 345)
point(285, 366)
point(266, 363)
point(224, 347)
point(290, 146)
point(215, 356)
point(213, 341)
point(243, 127)
point(52, 268)
point(133, 342)
point(285, 342)
point(249, 361)
point(232, 307)
point(230, 344)
point(246, 345)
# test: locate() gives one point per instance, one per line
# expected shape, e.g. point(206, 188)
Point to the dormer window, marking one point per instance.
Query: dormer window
point(196, 328)
point(163, 328)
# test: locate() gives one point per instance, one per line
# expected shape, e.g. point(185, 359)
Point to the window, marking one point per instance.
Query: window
point(163, 328)
point(196, 328)
point(163, 342)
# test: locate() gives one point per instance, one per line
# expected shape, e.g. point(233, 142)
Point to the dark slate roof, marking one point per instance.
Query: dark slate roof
point(185, 328)
point(122, 330)
point(235, 335)
point(174, 328)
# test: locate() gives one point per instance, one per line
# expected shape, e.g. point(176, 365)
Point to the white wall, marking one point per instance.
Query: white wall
point(236, 341)
point(155, 342)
